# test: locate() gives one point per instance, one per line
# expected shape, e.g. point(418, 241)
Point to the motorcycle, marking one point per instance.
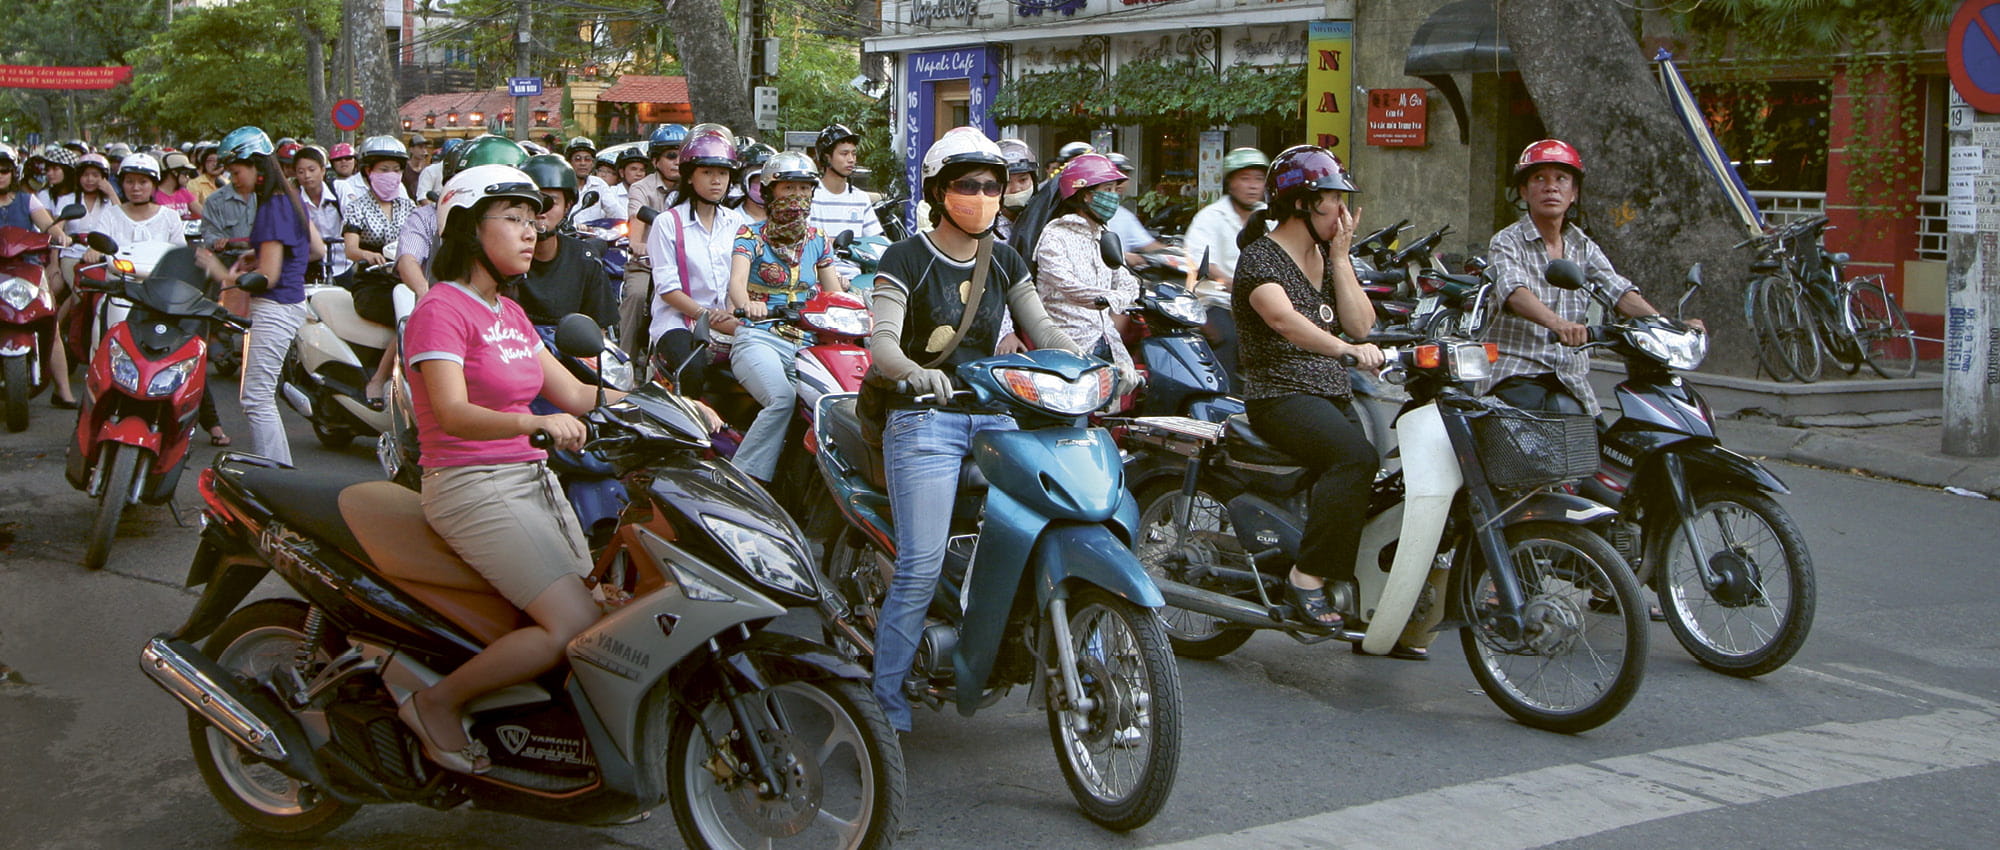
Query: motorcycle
point(27, 315)
point(678, 695)
point(145, 382)
point(1038, 586)
point(336, 351)
point(865, 253)
point(1700, 522)
point(1183, 375)
point(1464, 535)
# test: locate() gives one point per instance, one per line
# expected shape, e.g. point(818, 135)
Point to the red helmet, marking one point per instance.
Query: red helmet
point(1548, 152)
point(1085, 171)
point(288, 152)
point(1308, 167)
point(341, 151)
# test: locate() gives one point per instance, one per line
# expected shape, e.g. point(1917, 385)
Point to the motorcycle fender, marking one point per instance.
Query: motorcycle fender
point(1007, 537)
point(1431, 480)
point(1093, 555)
point(132, 431)
point(229, 579)
point(1060, 473)
point(1710, 462)
point(17, 343)
point(1556, 507)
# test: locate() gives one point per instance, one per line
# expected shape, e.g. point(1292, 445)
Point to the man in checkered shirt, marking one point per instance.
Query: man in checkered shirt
point(1533, 372)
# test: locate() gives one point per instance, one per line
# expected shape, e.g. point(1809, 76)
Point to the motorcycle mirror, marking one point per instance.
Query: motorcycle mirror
point(845, 239)
point(1110, 249)
point(1693, 283)
point(1564, 274)
point(101, 243)
point(589, 200)
point(647, 214)
point(1202, 271)
point(578, 336)
point(71, 213)
point(253, 282)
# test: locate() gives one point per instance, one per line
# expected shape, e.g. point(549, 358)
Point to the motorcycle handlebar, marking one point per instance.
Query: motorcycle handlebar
point(1598, 334)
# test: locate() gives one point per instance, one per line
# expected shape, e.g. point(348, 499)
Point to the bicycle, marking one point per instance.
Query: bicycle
point(1802, 309)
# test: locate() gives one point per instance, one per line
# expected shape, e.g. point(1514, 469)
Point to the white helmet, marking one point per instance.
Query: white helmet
point(140, 163)
point(8, 153)
point(376, 148)
point(485, 182)
point(962, 144)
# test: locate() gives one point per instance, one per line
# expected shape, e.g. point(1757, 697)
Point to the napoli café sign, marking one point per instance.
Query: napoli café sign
point(923, 12)
point(57, 77)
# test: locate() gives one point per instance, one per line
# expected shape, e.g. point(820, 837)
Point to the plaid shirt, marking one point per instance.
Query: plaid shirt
point(1518, 256)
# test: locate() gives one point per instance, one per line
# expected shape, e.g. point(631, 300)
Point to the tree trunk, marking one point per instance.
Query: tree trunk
point(315, 43)
point(1650, 202)
point(708, 53)
point(374, 66)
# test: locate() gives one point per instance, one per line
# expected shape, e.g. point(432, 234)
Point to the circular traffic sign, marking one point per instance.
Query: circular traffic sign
point(1972, 53)
point(347, 114)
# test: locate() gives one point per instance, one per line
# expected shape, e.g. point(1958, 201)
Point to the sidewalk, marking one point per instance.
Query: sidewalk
point(1901, 446)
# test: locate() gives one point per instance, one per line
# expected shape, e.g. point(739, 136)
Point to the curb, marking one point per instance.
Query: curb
point(1829, 449)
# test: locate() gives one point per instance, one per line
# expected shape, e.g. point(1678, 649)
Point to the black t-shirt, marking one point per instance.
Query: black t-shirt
point(573, 282)
point(936, 286)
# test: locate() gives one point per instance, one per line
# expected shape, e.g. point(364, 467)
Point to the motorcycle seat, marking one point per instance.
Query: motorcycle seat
point(308, 502)
point(844, 425)
point(388, 519)
point(1246, 445)
point(335, 307)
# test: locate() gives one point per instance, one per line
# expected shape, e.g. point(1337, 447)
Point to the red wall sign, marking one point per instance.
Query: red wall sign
point(1396, 118)
point(56, 77)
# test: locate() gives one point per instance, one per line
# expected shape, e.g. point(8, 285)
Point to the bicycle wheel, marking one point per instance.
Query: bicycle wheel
point(1792, 329)
point(1881, 331)
point(1760, 317)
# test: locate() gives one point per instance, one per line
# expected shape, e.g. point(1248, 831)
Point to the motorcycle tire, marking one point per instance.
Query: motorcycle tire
point(225, 351)
point(1192, 635)
point(14, 371)
point(1135, 695)
point(122, 465)
point(1725, 627)
point(255, 794)
point(332, 436)
point(810, 728)
point(1575, 586)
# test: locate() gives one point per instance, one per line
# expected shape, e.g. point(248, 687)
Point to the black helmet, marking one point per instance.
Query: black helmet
point(552, 173)
point(580, 143)
point(833, 135)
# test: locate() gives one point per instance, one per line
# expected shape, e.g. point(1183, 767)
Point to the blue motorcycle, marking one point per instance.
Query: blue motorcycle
point(1039, 586)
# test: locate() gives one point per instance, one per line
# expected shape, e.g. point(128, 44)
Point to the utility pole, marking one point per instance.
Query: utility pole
point(524, 44)
point(1972, 285)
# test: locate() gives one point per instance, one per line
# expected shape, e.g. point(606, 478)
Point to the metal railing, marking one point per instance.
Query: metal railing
point(1782, 208)
point(1931, 230)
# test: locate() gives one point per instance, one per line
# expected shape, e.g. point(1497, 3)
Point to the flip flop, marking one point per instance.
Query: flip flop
point(1311, 605)
point(218, 440)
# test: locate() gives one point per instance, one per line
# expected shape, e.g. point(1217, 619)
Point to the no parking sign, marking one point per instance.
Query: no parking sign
point(347, 114)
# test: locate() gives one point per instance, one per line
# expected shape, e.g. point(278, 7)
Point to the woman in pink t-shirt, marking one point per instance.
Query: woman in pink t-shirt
point(486, 490)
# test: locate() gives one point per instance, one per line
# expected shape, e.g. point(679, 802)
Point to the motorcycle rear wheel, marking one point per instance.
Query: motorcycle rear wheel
point(332, 436)
point(18, 390)
point(842, 767)
point(1583, 610)
point(1193, 635)
point(122, 465)
point(1126, 668)
point(249, 643)
point(1755, 621)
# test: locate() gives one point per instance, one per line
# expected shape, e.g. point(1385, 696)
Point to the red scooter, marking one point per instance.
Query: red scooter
point(143, 388)
point(27, 315)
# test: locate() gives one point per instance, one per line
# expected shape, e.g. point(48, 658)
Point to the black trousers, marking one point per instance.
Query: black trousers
point(1544, 392)
point(1324, 433)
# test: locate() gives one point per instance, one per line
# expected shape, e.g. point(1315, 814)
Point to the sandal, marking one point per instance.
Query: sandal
point(1312, 605)
point(1399, 651)
point(218, 438)
point(472, 758)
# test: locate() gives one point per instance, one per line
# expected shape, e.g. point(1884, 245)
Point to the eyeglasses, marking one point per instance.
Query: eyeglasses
point(533, 224)
point(970, 186)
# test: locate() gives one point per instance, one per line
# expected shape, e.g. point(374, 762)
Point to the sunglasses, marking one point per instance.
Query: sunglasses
point(973, 186)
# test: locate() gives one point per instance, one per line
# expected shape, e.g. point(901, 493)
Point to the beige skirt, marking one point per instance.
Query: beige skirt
point(510, 522)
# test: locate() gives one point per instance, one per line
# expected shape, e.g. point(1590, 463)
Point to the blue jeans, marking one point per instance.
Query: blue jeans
point(923, 449)
point(762, 362)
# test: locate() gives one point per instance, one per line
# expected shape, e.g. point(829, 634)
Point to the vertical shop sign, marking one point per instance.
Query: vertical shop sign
point(924, 71)
point(1330, 85)
point(1211, 163)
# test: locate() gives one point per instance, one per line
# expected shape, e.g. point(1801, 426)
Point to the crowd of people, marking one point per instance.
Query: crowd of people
point(1007, 255)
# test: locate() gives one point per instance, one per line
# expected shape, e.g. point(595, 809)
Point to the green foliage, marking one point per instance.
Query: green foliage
point(1793, 27)
point(1067, 96)
point(66, 32)
point(1172, 92)
point(220, 67)
point(632, 36)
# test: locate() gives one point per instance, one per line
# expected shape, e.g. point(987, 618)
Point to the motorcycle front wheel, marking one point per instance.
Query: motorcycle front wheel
point(1209, 536)
point(1756, 615)
point(839, 763)
point(18, 390)
point(1581, 651)
point(250, 643)
point(122, 466)
point(1119, 748)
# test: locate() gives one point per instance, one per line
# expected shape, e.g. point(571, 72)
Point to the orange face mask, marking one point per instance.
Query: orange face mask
point(973, 214)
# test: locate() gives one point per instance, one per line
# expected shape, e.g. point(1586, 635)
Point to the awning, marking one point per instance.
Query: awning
point(1458, 38)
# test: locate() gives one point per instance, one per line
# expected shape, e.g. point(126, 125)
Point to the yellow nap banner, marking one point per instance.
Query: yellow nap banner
point(1330, 85)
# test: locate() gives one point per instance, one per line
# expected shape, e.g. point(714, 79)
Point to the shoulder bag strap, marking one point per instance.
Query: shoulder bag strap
point(981, 261)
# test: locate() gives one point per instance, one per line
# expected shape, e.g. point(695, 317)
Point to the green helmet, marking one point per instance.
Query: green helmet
point(552, 173)
point(1242, 158)
point(485, 150)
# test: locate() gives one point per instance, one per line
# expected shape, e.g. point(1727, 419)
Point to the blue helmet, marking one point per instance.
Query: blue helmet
point(667, 136)
point(243, 143)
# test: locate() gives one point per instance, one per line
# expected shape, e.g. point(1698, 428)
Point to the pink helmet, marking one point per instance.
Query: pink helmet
point(1085, 171)
point(341, 151)
point(1307, 168)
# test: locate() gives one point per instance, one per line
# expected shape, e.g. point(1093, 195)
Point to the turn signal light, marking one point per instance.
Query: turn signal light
point(1492, 353)
point(124, 266)
point(1429, 357)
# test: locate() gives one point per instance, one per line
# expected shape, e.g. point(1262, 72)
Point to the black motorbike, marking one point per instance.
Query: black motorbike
point(1699, 522)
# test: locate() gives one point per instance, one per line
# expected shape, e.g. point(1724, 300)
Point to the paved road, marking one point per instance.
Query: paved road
point(1884, 732)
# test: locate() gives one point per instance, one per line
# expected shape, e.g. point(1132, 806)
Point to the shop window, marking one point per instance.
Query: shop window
point(951, 105)
point(1776, 134)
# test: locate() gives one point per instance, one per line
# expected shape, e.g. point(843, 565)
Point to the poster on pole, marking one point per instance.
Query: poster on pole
point(1210, 171)
point(1330, 85)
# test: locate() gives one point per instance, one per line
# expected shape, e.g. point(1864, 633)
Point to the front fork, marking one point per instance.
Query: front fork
point(1683, 497)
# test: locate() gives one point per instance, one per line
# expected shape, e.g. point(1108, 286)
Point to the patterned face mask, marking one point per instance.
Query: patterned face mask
point(787, 223)
point(1104, 204)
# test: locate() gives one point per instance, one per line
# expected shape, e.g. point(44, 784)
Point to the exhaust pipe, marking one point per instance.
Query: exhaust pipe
point(207, 690)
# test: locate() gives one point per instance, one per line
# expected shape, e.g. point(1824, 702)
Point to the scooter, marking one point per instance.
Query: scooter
point(1466, 535)
point(1700, 522)
point(27, 316)
point(1183, 375)
point(325, 376)
point(865, 253)
point(679, 696)
point(1038, 586)
point(146, 379)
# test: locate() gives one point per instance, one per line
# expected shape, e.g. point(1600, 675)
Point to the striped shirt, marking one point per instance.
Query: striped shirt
point(851, 210)
point(1518, 256)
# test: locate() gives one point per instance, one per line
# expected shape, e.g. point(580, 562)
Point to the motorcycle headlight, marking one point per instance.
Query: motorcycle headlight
point(1050, 391)
point(1472, 361)
point(1679, 349)
point(617, 373)
point(840, 320)
point(167, 380)
point(766, 556)
point(17, 293)
point(1185, 308)
point(124, 372)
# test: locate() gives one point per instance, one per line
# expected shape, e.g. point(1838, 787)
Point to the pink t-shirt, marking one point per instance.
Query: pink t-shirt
point(499, 350)
point(179, 200)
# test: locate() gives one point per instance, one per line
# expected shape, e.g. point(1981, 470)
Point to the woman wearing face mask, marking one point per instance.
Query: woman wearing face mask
point(776, 262)
point(754, 187)
point(371, 225)
point(173, 192)
point(918, 302)
point(1021, 170)
point(1295, 295)
point(1069, 266)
